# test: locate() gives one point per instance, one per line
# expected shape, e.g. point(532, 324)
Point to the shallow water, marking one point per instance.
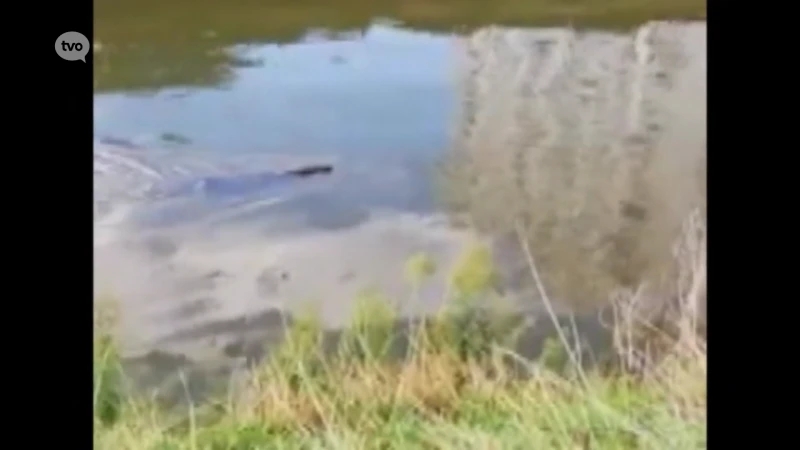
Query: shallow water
point(223, 95)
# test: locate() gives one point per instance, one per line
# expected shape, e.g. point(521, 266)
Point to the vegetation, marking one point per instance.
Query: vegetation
point(596, 213)
point(458, 384)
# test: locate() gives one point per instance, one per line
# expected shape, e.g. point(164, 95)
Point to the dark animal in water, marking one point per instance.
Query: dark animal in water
point(307, 171)
point(243, 184)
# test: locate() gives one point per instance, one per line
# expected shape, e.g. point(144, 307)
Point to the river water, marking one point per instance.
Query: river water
point(187, 89)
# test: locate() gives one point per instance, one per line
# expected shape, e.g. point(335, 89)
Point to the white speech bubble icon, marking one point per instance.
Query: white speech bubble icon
point(72, 46)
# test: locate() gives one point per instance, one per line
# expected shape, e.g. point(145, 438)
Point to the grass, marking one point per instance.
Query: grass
point(457, 385)
point(604, 219)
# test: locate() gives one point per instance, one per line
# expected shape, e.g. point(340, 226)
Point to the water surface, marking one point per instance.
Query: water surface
point(190, 89)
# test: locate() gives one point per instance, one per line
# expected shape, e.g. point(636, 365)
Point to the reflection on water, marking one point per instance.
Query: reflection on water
point(193, 89)
point(152, 44)
point(590, 143)
point(385, 96)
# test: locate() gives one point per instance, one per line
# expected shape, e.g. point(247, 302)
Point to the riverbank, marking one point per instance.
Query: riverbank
point(134, 38)
point(455, 386)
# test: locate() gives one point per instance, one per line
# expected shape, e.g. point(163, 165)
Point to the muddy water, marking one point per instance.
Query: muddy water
point(187, 90)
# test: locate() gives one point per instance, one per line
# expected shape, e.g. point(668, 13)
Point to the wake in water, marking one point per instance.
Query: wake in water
point(552, 124)
point(246, 184)
point(191, 241)
point(161, 188)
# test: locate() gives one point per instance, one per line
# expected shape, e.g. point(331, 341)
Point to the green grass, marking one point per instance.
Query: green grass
point(458, 380)
point(458, 385)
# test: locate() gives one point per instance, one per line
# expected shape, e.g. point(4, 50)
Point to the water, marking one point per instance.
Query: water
point(356, 98)
point(375, 105)
point(186, 90)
